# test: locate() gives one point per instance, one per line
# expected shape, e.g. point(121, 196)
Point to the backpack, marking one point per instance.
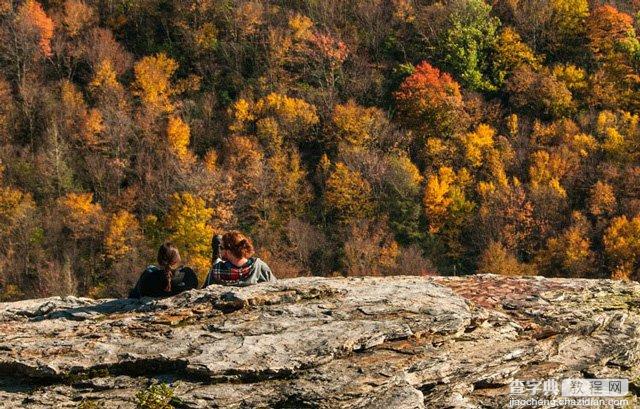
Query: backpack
point(153, 281)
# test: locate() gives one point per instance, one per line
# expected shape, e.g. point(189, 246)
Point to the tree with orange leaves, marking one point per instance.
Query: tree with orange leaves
point(32, 18)
point(614, 44)
point(429, 100)
point(25, 37)
point(608, 27)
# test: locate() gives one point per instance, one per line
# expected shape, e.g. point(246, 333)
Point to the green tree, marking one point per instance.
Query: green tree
point(465, 45)
point(401, 198)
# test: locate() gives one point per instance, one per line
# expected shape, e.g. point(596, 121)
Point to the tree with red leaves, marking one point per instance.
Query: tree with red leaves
point(429, 100)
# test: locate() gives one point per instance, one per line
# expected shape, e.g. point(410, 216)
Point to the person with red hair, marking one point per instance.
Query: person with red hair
point(236, 264)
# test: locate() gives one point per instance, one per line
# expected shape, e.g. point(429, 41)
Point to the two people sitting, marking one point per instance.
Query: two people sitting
point(233, 264)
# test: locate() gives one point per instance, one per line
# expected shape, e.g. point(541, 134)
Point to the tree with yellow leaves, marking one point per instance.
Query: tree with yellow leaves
point(153, 81)
point(485, 153)
point(549, 196)
point(575, 78)
point(81, 124)
point(436, 198)
point(448, 212)
point(618, 132)
point(300, 26)
point(511, 53)
point(125, 250)
point(123, 235)
point(276, 118)
point(84, 218)
point(478, 143)
point(357, 125)
point(105, 81)
point(178, 135)
point(154, 85)
point(243, 161)
point(241, 115)
point(445, 203)
point(82, 221)
point(15, 207)
point(347, 195)
point(295, 116)
point(496, 259)
point(602, 199)
point(188, 226)
point(287, 190)
point(569, 254)
point(622, 247)
point(505, 215)
point(546, 170)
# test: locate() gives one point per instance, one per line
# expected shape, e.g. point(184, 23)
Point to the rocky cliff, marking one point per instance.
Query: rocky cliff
point(401, 342)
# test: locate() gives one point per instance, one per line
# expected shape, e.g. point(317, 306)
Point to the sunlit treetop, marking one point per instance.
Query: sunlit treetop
point(31, 15)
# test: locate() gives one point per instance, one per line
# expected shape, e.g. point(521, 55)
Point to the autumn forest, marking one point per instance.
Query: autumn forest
point(346, 137)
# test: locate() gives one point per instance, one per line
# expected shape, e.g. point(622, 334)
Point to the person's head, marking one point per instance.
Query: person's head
point(168, 256)
point(237, 245)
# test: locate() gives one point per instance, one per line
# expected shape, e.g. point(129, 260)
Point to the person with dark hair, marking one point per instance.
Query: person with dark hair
point(237, 265)
point(216, 249)
point(168, 278)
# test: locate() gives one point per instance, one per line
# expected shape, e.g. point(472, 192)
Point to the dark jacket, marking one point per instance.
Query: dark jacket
point(153, 281)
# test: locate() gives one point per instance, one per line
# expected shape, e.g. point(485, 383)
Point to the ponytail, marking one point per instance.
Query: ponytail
point(168, 259)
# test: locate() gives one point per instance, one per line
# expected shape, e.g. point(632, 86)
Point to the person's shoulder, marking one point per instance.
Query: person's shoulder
point(264, 270)
point(220, 263)
point(151, 268)
point(258, 261)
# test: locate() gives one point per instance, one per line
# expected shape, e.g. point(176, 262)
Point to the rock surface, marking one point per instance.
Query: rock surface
point(400, 342)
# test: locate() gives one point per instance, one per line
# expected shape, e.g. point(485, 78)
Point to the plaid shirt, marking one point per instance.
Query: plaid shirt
point(226, 272)
point(252, 272)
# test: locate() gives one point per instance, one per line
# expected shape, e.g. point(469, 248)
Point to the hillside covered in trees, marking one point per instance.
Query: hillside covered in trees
point(356, 137)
